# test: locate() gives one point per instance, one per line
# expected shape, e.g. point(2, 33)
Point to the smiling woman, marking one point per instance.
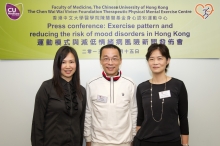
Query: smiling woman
point(68, 67)
point(60, 104)
point(162, 104)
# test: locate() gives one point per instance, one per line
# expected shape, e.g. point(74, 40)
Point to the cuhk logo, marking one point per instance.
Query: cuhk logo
point(14, 12)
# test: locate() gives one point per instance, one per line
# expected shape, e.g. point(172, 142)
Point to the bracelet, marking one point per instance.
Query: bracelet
point(185, 145)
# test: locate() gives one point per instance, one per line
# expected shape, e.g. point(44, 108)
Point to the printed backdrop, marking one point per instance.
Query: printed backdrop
point(36, 29)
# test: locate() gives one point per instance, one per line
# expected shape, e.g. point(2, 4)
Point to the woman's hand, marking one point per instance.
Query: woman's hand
point(137, 128)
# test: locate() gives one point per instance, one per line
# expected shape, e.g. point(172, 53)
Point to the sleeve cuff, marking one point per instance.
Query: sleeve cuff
point(88, 138)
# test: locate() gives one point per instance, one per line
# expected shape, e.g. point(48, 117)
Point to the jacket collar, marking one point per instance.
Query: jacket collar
point(115, 78)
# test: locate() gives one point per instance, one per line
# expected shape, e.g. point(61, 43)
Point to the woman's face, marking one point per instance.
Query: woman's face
point(68, 67)
point(157, 62)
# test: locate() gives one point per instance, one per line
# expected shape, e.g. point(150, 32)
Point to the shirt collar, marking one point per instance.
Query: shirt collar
point(115, 78)
point(64, 82)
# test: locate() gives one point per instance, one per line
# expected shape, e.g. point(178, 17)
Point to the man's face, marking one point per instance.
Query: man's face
point(110, 61)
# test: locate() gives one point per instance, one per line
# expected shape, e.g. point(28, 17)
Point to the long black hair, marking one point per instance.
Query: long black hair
point(61, 54)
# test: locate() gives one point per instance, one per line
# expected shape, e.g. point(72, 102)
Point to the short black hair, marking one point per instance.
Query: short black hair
point(110, 46)
point(163, 50)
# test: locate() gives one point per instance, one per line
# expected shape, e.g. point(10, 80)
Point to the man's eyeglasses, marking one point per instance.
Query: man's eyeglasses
point(113, 60)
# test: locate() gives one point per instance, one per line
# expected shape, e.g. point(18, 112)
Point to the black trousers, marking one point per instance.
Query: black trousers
point(144, 143)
